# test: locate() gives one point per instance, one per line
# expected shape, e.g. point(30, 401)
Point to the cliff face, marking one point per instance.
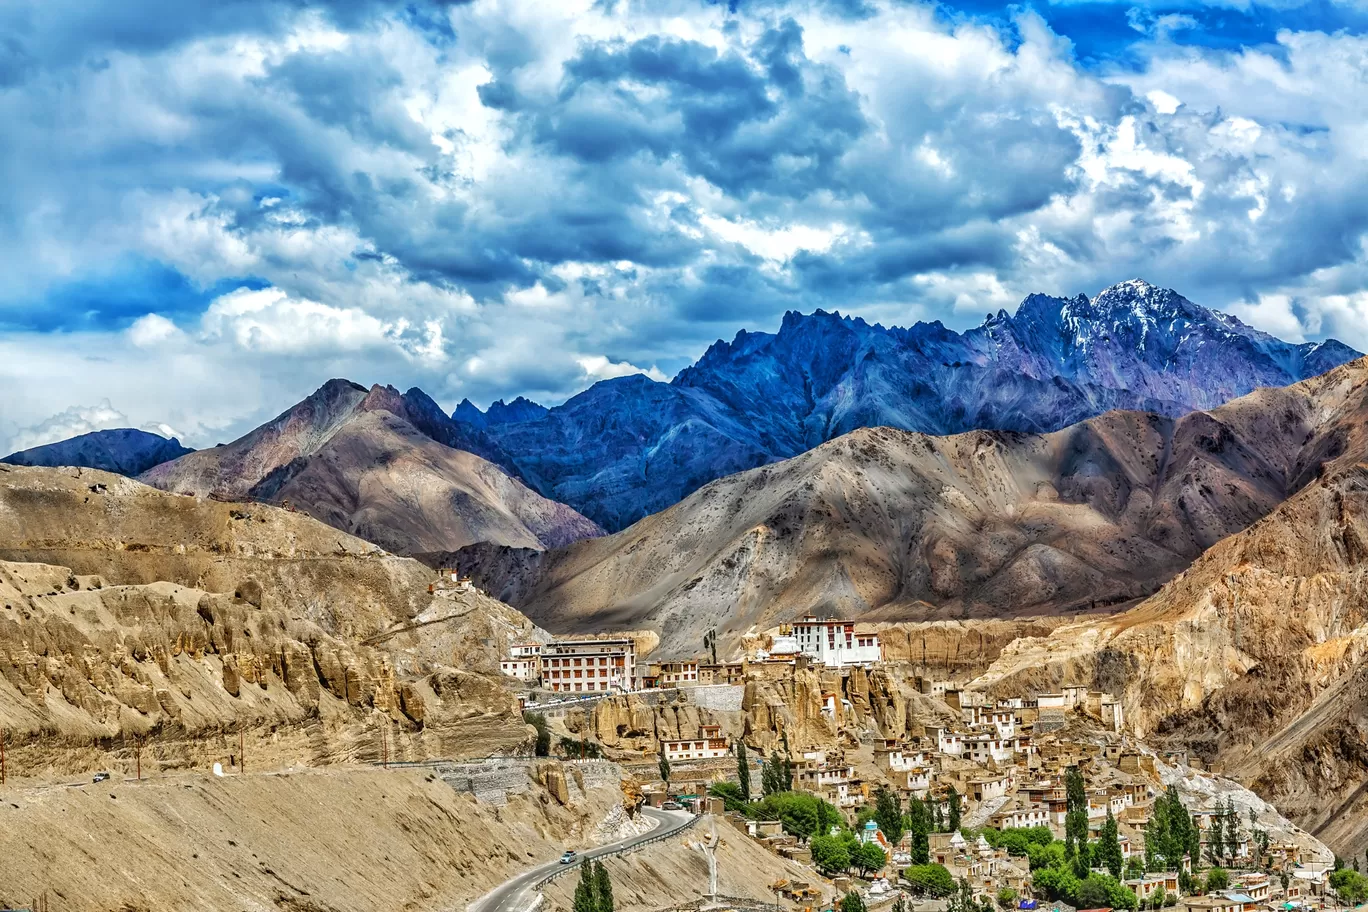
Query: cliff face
point(889, 525)
point(188, 621)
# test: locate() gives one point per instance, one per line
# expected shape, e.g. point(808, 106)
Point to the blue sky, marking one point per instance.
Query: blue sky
point(213, 206)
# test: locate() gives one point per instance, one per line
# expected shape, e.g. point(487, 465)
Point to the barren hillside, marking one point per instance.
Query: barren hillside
point(388, 467)
point(130, 612)
point(895, 525)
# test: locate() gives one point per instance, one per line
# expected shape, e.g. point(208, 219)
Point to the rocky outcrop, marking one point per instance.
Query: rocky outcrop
point(263, 622)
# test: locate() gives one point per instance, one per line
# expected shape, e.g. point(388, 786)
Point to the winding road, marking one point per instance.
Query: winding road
point(516, 895)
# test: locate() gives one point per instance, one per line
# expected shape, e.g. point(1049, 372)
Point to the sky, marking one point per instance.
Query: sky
point(213, 206)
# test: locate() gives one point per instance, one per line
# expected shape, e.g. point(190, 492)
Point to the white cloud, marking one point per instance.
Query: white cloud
point(598, 367)
point(69, 422)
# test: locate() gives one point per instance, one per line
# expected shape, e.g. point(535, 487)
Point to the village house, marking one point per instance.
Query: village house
point(1000, 719)
point(589, 666)
point(709, 745)
point(836, 643)
point(1145, 887)
point(1256, 883)
point(987, 788)
point(1019, 816)
point(1213, 903)
point(523, 662)
point(948, 742)
point(988, 747)
point(675, 674)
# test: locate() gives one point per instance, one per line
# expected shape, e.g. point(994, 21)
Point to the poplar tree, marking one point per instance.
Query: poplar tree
point(603, 888)
point(742, 772)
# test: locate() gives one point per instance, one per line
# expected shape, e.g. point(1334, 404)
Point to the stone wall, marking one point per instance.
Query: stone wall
point(493, 781)
point(717, 697)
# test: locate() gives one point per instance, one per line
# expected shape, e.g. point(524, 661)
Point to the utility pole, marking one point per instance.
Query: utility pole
point(138, 741)
point(242, 752)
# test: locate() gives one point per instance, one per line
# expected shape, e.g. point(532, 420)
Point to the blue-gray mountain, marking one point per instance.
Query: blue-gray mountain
point(629, 447)
point(127, 451)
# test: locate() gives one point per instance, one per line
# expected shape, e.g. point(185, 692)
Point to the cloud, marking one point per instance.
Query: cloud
point(485, 198)
point(69, 422)
point(598, 367)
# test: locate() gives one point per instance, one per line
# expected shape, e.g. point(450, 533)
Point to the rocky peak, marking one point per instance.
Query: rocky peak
point(517, 411)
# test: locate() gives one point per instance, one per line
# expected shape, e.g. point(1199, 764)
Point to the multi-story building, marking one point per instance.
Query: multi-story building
point(589, 666)
point(837, 643)
point(523, 662)
point(709, 745)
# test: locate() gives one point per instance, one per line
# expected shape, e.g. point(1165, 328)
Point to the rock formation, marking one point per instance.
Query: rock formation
point(126, 612)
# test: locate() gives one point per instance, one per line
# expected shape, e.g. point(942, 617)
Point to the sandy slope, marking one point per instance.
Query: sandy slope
point(341, 840)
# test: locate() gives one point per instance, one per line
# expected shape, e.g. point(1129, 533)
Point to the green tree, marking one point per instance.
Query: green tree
point(1159, 898)
point(665, 770)
point(1108, 853)
point(1134, 868)
point(1057, 884)
point(586, 891)
point(603, 888)
point(730, 793)
point(743, 772)
point(869, 857)
point(1159, 842)
point(937, 818)
point(830, 855)
point(772, 775)
point(1350, 886)
point(1217, 879)
point(1050, 855)
point(930, 880)
point(1183, 835)
point(1076, 821)
point(1233, 835)
point(542, 745)
point(888, 814)
point(900, 904)
point(962, 900)
point(918, 821)
point(952, 821)
point(1006, 897)
point(852, 902)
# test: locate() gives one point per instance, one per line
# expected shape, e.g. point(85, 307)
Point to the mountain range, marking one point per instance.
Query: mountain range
point(394, 468)
point(888, 524)
point(629, 447)
point(127, 451)
point(386, 466)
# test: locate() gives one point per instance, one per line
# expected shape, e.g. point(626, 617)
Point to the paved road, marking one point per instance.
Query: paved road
point(516, 895)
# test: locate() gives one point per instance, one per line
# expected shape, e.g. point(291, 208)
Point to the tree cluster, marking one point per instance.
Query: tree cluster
point(776, 775)
point(1171, 835)
point(594, 892)
point(833, 855)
